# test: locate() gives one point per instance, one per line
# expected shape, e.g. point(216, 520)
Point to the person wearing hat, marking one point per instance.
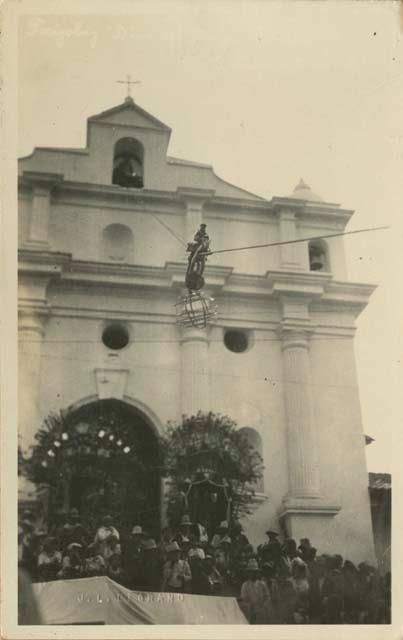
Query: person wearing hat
point(176, 576)
point(318, 572)
point(270, 551)
point(333, 591)
point(113, 558)
point(49, 560)
point(26, 546)
point(79, 533)
point(222, 532)
point(240, 552)
point(300, 582)
point(64, 531)
point(104, 532)
point(269, 574)
point(112, 548)
point(304, 549)
point(255, 596)
point(183, 531)
point(94, 563)
point(167, 536)
point(133, 553)
point(115, 570)
point(201, 535)
point(151, 569)
point(73, 562)
point(74, 531)
point(214, 577)
point(222, 555)
point(200, 582)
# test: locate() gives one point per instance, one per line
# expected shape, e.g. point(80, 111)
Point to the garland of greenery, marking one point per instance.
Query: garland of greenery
point(208, 449)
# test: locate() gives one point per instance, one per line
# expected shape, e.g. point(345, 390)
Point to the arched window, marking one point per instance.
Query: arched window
point(255, 440)
point(117, 243)
point(318, 256)
point(128, 163)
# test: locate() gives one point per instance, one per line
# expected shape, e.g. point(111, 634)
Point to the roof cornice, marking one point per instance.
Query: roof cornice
point(310, 286)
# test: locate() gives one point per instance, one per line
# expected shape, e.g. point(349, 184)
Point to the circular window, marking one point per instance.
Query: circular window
point(115, 337)
point(236, 341)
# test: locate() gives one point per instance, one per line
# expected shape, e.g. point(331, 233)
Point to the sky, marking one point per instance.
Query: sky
point(266, 92)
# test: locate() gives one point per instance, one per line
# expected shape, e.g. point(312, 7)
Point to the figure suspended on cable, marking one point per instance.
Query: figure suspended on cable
point(195, 309)
point(198, 250)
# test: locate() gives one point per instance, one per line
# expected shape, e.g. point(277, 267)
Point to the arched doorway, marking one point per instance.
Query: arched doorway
point(112, 465)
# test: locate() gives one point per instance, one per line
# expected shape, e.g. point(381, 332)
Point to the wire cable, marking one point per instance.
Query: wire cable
point(168, 228)
point(277, 244)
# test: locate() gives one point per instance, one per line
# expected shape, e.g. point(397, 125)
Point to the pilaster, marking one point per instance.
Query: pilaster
point(304, 507)
point(293, 257)
point(194, 371)
point(31, 331)
point(194, 200)
point(43, 185)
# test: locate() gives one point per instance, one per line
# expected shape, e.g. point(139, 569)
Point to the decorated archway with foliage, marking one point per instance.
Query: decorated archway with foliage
point(212, 469)
point(101, 458)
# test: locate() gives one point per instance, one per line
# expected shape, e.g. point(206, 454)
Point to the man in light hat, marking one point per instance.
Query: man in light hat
point(255, 596)
point(176, 572)
point(222, 532)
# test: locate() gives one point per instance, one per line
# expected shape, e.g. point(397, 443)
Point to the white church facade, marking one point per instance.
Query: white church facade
point(101, 266)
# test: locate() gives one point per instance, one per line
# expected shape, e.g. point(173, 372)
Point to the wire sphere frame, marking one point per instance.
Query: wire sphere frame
point(195, 310)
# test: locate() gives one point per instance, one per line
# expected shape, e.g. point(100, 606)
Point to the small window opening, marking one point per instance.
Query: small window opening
point(236, 341)
point(115, 337)
point(128, 164)
point(318, 259)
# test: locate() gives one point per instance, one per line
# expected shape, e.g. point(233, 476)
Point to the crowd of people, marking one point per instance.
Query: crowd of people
point(280, 582)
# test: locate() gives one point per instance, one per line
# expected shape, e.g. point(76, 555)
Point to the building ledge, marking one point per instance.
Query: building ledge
point(308, 506)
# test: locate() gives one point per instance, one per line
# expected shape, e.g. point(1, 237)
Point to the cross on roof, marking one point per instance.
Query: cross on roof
point(129, 82)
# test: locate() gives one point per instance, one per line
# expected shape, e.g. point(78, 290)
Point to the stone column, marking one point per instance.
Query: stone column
point(31, 330)
point(292, 256)
point(195, 394)
point(302, 445)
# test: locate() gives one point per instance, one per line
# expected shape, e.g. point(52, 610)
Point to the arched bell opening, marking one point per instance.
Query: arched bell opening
point(128, 163)
point(318, 256)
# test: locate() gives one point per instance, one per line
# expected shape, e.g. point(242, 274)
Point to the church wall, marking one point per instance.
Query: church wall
point(343, 475)
point(70, 164)
point(248, 387)
point(73, 350)
point(230, 232)
point(78, 230)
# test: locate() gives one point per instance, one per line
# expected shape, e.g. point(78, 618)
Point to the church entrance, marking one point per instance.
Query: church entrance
point(112, 466)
